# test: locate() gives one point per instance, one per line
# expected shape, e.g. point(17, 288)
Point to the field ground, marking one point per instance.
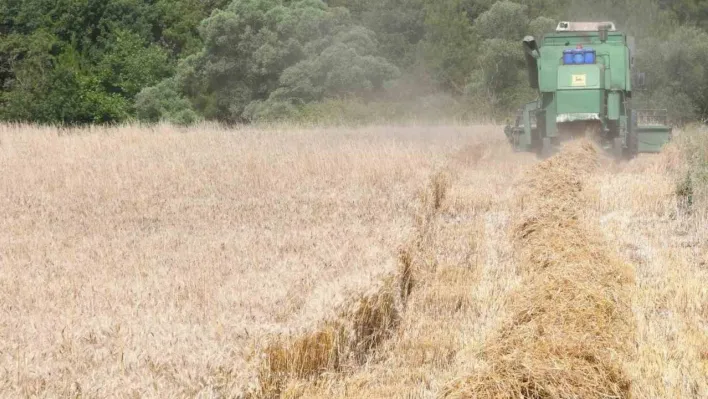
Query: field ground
point(164, 262)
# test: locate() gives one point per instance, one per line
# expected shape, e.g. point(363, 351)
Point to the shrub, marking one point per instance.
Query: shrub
point(164, 103)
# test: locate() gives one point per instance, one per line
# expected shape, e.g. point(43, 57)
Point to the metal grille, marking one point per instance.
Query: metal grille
point(648, 117)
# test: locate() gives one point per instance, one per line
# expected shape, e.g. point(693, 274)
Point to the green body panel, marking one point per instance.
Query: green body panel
point(548, 113)
point(579, 102)
point(573, 98)
point(580, 77)
point(613, 56)
point(614, 105)
point(652, 138)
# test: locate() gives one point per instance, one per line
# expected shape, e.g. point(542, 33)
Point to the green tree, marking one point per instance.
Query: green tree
point(677, 74)
point(541, 26)
point(688, 11)
point(450, 43)
point(347, 66)
point(499, 75)
point(130, 64)
point(88, 61)
point(270, 54)
point(178, 23)
point(83, 61)
point(504, 20)
point(164, 102)
point(399, 25)
point(57, 89)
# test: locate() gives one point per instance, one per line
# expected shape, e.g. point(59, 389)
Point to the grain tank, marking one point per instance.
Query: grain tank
point(584, 74)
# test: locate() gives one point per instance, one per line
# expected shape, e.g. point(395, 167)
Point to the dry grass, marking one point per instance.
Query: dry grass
point(406, 262)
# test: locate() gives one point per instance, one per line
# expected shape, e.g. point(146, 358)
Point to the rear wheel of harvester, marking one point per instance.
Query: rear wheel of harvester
point(617, 148)
point(546, 148)
point(632, 144)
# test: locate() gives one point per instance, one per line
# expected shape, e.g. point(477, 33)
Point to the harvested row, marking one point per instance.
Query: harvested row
point(459, 287)
point(570, 326)
point(289, 365)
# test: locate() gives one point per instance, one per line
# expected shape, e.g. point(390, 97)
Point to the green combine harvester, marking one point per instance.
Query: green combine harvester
point(583, 72)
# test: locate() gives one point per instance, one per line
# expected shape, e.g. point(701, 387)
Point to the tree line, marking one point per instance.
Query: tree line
point(235, 61)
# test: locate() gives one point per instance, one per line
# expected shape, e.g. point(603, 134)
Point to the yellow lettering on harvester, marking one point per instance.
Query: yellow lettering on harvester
point(579, 80)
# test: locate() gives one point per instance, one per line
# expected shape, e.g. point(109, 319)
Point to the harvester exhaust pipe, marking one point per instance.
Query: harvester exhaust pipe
point(603, 32)
point(532, 54)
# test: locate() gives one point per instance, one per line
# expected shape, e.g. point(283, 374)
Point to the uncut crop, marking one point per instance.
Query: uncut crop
point(152, 261)
point(402, 262)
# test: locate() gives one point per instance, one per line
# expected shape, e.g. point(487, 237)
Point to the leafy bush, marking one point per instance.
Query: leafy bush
point(540, 26)
point(164, 103)
point(504, 20)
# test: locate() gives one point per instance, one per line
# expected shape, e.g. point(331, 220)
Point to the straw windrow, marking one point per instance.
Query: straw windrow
point(569, 330)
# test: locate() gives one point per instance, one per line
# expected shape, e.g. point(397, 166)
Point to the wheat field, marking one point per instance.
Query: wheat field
point(371, 262)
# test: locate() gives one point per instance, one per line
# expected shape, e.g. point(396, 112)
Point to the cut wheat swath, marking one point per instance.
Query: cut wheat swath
point(570, 328)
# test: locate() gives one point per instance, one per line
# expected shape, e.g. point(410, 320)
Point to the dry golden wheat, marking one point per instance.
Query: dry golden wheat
point(155, 260)
point(328, 263)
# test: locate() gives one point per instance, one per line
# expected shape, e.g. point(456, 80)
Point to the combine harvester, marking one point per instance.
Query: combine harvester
point(583, 72)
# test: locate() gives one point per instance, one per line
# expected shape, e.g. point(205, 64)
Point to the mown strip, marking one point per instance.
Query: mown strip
point(571, 327)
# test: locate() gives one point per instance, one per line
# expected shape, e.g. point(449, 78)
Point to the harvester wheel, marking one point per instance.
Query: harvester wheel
point(547, 148)
point(617, 148)
point(632, 144)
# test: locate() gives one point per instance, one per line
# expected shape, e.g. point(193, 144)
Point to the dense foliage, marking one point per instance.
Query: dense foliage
point(95, 61)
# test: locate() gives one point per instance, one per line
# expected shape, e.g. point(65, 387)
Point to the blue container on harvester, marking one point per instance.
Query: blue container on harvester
point(579, 56)
point(567, 57)
point(589, 56)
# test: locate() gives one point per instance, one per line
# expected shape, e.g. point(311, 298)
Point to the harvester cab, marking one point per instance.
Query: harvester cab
point(583, 73)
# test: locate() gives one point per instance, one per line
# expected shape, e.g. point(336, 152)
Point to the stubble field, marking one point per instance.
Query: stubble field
point(373, 262)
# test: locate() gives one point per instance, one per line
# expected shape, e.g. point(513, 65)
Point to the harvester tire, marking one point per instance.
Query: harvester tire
point(617, 148)
point(632, 143)
point(546, 148)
